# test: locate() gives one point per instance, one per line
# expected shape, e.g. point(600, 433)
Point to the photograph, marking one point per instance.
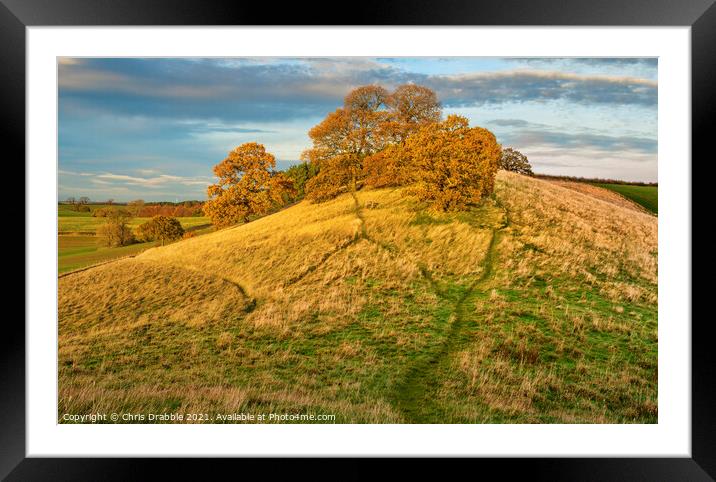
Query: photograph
point(357, 240)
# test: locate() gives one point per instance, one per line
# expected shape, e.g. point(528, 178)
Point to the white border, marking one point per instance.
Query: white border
point(670, 437)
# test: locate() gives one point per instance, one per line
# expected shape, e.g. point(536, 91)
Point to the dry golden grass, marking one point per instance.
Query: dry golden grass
point(574, 235)
point(600, 193)
point(265, 254)
point(130, 293)
point(537, 306)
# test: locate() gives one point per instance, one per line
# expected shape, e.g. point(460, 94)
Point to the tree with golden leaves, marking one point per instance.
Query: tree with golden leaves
point(357, 141)
point(410, 108)
point(452, 164)
point(248, 185)
point(343, 140)
point(389, 167)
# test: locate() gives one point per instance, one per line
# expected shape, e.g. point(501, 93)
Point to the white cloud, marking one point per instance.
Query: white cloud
point(156, 181)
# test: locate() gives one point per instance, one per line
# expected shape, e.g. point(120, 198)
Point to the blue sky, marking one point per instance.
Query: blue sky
point(154, 128)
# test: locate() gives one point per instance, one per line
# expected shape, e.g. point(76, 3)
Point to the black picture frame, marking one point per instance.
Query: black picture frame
point(700, 15)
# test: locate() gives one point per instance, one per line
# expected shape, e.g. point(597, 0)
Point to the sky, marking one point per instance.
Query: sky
point(153, 128)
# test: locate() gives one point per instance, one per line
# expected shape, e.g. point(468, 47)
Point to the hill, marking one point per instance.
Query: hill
point(538, 306)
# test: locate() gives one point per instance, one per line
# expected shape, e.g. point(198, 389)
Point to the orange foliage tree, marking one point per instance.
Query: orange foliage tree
point(397, 139)
point(451, 164)
point(343, 140)
point(389, 167)
point(357, 141)
point(411, 107)
point(248, 185)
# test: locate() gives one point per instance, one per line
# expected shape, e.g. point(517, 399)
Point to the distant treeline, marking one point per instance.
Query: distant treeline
point(191, 203)
point(143, 209)
point(137, 208)
point(596, 180)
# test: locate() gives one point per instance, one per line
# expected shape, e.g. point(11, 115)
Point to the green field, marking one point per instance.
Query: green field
point(88, 225)
point(77, 245)
point(66, 210)
point(646, 196)
point(78, 251)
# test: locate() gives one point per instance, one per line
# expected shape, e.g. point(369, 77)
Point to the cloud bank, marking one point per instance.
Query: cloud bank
point(179, 117)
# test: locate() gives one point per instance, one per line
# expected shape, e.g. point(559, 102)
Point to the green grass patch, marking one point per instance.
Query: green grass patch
point(66, 210)
point(646, 196)
point(74, 252)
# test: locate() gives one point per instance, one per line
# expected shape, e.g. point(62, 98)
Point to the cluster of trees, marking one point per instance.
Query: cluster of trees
point(597, 180)
point(363, 140)
point(115, 231)
point(79, 205)
point(378, 138)
point(110, 212)
point(180, 210)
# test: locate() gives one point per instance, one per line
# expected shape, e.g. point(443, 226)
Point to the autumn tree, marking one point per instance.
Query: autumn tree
point(333, 176)
point(112, 212)
point(513, 160)
point(389, 167)
point(71, 201)
point(135, 206)
point(411, 107)
point(115, 231)
point(343, 140)
point(248, 185)
point(357, 141)
point(160, 228)
point(452, 164)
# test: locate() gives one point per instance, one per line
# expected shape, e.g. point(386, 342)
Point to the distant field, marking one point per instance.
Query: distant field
point(647, 196)
point(74, 252)
point(77, 245)
point(88, 225)
point(65, 210)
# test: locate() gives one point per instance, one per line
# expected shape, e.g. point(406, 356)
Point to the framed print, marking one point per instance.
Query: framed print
point(434, 232)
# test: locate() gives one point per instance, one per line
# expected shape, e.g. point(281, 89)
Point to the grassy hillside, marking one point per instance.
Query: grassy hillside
point(647, 196)
point(538, 306)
